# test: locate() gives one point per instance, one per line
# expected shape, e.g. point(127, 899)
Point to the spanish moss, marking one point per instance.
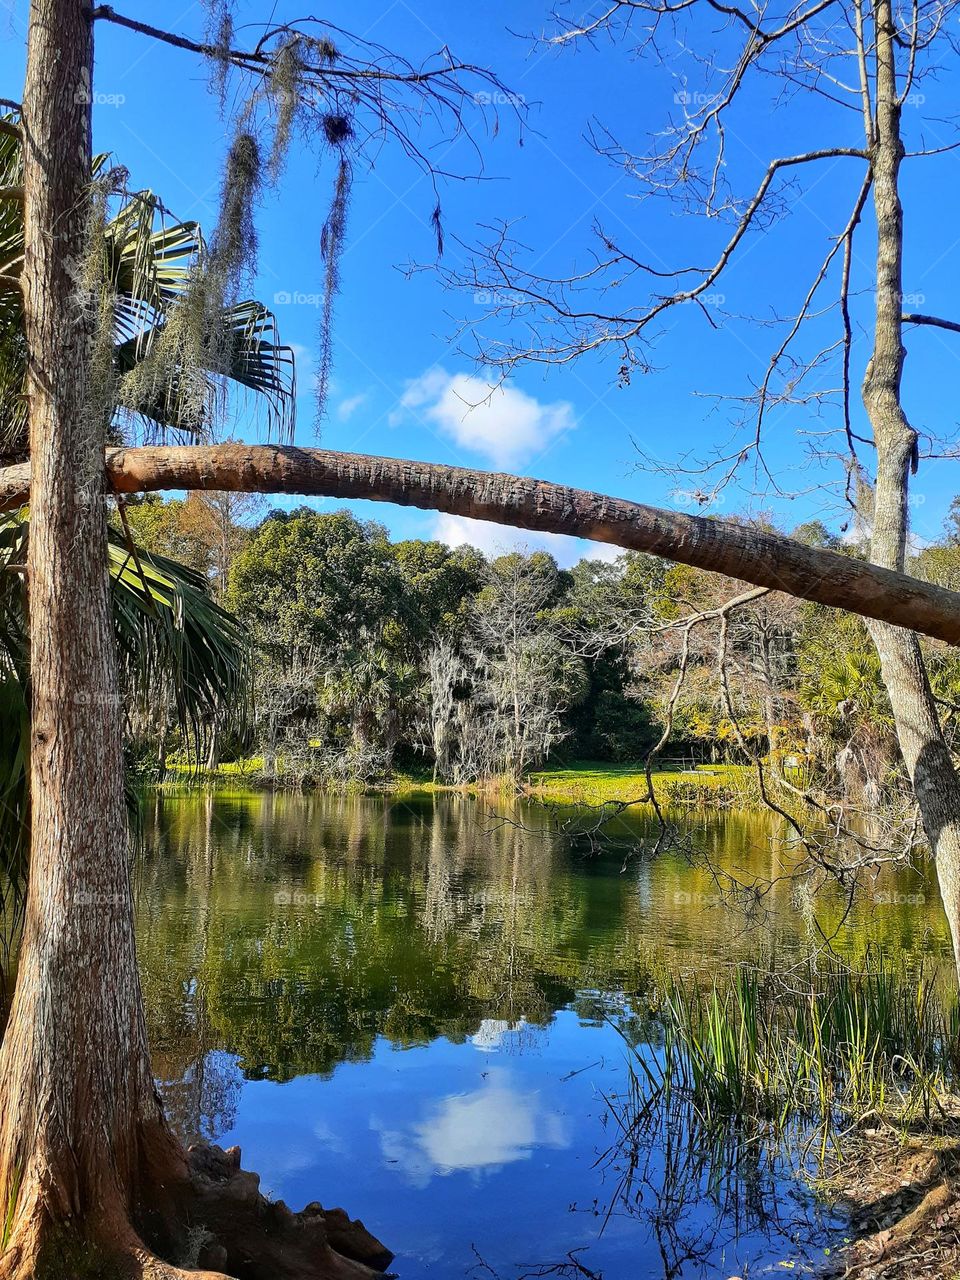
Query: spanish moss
point(331, 249)
point(285, 88)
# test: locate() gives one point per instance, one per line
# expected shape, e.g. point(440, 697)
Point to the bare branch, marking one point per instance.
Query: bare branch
point(935, 321)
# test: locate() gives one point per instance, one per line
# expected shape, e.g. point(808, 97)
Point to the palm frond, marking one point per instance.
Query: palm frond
point(150, 261)
point(174, 640)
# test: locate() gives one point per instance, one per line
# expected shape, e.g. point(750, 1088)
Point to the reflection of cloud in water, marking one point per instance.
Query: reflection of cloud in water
point(475, 1132)
point(490, 1033)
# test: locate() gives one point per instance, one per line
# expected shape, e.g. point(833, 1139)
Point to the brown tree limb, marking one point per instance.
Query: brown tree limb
point(914, 317)
point(739, 551)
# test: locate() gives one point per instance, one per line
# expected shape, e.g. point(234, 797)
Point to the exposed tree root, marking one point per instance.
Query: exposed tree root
point(206, 1220)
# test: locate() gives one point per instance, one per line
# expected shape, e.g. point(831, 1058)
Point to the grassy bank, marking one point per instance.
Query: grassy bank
point(585, 782)
point(582, 782)
point(849, 1076)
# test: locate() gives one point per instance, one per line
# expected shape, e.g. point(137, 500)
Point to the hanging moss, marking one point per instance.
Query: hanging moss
point(285, 86)
point(95, 298)
point(189, 351)
point(234, 248)
point(331, 248)
point(220, 38)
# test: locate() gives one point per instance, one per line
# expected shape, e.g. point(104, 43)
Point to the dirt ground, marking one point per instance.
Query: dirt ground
point(903, 1193)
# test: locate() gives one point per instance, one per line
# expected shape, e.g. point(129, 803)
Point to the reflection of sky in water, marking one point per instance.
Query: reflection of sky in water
point(479, 1131)
point(444, 1080)
point(444, 1149)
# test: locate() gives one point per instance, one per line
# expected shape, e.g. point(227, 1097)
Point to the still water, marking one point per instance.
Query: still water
point(419, 1009)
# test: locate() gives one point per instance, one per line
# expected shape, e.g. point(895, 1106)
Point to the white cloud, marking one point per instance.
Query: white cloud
point(495, 1125)
point(348, 407)
point(502, 423)
point(499, 539)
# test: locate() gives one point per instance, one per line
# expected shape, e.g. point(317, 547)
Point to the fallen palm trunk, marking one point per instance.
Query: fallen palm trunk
point(737, 550)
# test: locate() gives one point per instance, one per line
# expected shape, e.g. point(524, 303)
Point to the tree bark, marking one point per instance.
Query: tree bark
point(74, 1074)
point(925, 752)
point(738, 551)
point(88, 1168)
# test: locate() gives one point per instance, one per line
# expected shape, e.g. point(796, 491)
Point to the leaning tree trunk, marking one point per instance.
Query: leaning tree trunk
point(721, 546)
point(925, 752)
point(88, 1168)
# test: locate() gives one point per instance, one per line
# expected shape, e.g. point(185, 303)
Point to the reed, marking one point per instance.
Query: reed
point(833, 1042)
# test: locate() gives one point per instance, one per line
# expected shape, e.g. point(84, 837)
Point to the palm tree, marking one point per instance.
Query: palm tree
point(175, 644)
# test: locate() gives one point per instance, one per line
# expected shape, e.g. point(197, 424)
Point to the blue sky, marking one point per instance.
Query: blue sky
point(400, 371)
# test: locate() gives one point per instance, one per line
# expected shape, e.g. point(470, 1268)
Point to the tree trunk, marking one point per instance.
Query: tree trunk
point(738, 551)
point(74, 1074)
point(925, 752)
point(88, 1167)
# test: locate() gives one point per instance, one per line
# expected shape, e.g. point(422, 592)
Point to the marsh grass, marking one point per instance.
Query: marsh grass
point(760, 1077)
point(814, 1054)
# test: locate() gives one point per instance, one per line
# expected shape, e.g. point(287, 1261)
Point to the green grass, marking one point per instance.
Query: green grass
point(593, 783)
point(582, 782)
point(830, 1043)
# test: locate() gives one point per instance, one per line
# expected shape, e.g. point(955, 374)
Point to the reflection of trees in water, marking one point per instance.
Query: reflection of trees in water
point(292, 931)
point(200, 1092)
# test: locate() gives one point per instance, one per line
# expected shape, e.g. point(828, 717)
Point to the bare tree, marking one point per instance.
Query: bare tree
point(860, 61)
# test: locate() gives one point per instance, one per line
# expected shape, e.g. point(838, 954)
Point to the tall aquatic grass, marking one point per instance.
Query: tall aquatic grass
point(826, 1043)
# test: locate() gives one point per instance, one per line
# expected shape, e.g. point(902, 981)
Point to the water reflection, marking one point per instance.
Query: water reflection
point(480, 1131)
point(391, 1004)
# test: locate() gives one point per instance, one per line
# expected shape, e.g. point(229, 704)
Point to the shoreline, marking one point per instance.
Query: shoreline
point(582, 784)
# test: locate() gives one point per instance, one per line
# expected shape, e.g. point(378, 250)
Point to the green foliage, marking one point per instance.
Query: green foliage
point(308, 580)
point(174, 645)
point(172, 355)
point(835, 1042)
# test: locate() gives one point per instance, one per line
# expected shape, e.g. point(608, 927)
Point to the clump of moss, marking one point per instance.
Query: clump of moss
point(194, 343)
point(332, 240)
point(220, 38)
point(95, 298)
point(285, 86)
point(234, 246)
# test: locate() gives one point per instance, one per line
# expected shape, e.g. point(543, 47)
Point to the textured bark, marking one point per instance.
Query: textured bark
point(732, 549)
point(89, 1171)
point(925, 752)
point(74, 1074)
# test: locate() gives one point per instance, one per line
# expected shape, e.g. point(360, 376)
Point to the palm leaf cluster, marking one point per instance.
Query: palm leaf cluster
point(151, 267)
point(176, 646)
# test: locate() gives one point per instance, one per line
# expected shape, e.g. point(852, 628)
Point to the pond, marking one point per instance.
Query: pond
point(421, 1009)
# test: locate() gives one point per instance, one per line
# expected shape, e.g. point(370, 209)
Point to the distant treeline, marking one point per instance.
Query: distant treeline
point(369, 656)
